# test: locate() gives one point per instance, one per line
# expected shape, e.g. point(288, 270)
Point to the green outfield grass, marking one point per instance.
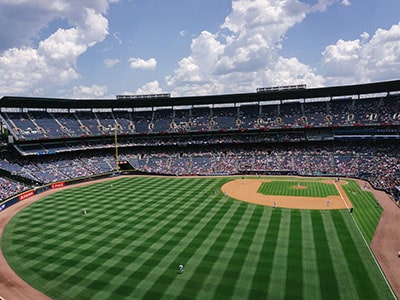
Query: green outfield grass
point(137, 231)
point(367, 210)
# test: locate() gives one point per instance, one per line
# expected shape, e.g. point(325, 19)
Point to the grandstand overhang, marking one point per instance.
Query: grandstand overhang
point(309, 93)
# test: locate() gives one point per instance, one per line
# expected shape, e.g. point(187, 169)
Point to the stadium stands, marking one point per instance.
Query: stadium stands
point(342, 131)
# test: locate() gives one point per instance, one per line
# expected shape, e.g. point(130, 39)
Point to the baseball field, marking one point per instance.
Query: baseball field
point(137, 230)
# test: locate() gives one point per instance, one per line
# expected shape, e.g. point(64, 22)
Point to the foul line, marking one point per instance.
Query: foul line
point(369, 248)
point(341, 196)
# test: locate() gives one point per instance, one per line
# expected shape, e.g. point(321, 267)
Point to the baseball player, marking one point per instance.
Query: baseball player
point(180, 269)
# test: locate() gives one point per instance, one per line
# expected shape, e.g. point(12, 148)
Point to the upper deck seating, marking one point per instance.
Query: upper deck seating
point(162, 121)
point(24, 127)
point(142, 121)
point(226, 118)
point(250, 116)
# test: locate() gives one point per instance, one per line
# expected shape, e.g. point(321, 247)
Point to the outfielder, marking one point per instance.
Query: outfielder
point(180, 269)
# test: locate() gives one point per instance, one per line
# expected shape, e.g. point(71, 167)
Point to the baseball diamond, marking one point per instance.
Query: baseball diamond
point(286, 192)
point(137, 231)
point(316, 194)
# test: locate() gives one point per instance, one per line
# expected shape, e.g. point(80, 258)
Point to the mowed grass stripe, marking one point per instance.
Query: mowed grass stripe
point(231, 275)
point(196, 252)
point(311, 280)
point(101, 283)
point(367, 211)
point(86, 193)
point(277, 284)
point(123, 245)
point(262, 275)
point(294, 188)
point(368, 259)
point(151, 273)
point(190, 202)
point(294, 271)
point(226, 227)
point(126, 228)
point(338, 253)
point(355, 262)
point(185, 243)
point(76, 261)
point(255, 251)
point(167, 263)
point(165, 225)
point(327, 278)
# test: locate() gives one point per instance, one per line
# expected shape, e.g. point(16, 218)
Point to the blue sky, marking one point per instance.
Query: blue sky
point(98, 49)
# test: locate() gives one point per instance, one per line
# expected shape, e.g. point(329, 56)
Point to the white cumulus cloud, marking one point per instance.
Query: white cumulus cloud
point(368, 59)
point(139, 63)
point(89, 92)
point(346, 2)
point(150, 88)
point(245, 53)
point(26, 68)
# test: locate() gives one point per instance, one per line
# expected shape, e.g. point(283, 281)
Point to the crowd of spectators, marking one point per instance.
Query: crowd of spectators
point(209, 140)
point(36, 125)
point(9, 188)
point(379, 164)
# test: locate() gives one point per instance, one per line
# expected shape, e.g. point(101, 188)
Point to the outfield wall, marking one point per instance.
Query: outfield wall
point(55, 185)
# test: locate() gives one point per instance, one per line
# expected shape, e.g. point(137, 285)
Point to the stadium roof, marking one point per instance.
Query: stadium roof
point(337, 91)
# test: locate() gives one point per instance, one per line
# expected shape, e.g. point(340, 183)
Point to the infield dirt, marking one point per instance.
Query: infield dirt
point(246, 190)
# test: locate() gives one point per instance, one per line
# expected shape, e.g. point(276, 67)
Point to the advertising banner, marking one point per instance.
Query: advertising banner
point(26, 195)
point(57, 185)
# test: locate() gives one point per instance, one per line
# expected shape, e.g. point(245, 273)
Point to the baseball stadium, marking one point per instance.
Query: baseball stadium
point(286, 192)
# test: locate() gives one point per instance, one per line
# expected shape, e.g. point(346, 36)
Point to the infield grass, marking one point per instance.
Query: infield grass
point(298, 188)
point(138, 230)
